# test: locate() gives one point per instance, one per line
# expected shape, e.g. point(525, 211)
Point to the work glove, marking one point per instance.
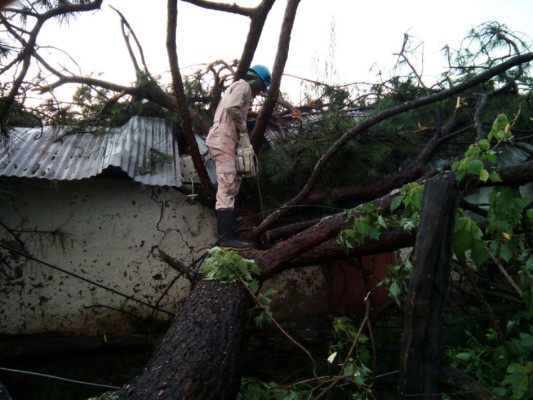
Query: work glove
point(245, 159)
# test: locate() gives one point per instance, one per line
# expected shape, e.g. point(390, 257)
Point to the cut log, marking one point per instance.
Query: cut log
point(200, 355)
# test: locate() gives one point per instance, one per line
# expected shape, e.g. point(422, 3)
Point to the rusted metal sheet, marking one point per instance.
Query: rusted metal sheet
point(143, 148)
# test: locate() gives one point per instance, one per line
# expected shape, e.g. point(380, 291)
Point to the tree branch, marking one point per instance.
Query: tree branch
point(125, 23)
point(318, 243)
point(277, 72)
point(258, 18)
point(29, 46)
point(179, 91)
point(230, 8)
point(399, 109)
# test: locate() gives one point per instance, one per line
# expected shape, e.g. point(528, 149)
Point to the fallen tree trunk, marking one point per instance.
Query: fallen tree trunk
point(201, 352)
point(200, 355)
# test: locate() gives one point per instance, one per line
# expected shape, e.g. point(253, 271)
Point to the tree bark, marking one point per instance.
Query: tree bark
point(279, 65)
point(200, 355)
point(201, 352)
point(421, 340)
point(179, 91)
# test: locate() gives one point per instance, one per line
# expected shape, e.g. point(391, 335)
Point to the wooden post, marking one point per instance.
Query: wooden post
point(421, 340)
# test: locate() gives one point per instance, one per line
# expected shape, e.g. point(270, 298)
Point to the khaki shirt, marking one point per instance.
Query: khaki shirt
point(230, 117)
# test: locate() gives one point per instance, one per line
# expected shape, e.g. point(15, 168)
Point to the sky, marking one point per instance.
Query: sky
point(367, 34)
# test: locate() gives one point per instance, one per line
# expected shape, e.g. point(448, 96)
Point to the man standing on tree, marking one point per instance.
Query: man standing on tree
point(228, 126)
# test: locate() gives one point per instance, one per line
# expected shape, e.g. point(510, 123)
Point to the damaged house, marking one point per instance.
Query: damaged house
point(85, 218)
point(94, 210)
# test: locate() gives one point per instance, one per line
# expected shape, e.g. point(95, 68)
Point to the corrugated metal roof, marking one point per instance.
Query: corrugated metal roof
point(144, 148)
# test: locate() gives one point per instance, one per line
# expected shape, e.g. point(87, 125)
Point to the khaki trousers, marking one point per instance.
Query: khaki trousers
point(228, 182)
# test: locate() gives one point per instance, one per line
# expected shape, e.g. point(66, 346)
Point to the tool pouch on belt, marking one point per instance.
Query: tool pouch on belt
point(245, 159)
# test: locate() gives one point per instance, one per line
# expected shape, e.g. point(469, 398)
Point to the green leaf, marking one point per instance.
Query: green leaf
point(484, 175)
point(395, 292)
point(505, 252)
point(500, 391)
point(475, 167)
point(254, 286)
point(518, 378)
point(269, 292)
point(495, 177)
point(463, 356)
point(479, 252)
point(499, 127)
point(395, 203)
point(484, 144)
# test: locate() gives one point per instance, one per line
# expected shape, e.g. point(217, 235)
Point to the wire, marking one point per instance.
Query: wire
point(18, 371)
point(387, 374)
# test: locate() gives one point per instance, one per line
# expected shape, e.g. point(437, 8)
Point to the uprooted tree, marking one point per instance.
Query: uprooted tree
point(368, 150)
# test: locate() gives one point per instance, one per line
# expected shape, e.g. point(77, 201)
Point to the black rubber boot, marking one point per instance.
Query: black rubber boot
point(226, 230)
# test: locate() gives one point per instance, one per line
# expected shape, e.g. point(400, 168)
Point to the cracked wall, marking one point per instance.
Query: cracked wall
point(102, 230)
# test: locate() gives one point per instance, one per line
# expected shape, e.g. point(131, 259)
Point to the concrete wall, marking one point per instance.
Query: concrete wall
point(107, 231)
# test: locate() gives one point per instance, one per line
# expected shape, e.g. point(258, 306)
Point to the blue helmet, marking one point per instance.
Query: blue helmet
point(263, 73)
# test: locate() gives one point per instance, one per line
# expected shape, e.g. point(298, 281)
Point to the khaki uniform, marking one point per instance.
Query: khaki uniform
point(223, 137)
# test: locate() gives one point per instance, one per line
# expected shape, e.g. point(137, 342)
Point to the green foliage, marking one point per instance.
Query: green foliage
point(411, 197)
point(520, 379)
point(367, 222)
point(507, 242)
point(350, 352)
point(364, 222)
point(468, 240)
point(347, 365)
point(509, 363)
point(227, 266)
point(482, 152)
point(397, 281)
point(18, 115)
point(97, 107)
point(485, 46)
point(345, 335)
point(503, 240)
point(505, 213)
